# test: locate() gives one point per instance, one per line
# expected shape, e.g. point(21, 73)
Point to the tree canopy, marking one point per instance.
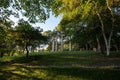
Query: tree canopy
point(28, 35)
point(34, 10)
point(87, 17)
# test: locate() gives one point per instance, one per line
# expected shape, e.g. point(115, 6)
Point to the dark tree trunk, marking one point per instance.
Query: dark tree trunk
point(102, 48)
point(12, 53)
point(27, 51)
point(9, 53)
point(86, 46)
point(98, 45)
point(116, 47)
point(1, 54)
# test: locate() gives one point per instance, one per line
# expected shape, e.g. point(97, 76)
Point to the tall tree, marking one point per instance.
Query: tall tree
point(4, 31)
point(28, 35)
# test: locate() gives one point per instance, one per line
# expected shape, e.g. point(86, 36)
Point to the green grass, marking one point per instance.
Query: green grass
point(60, 66)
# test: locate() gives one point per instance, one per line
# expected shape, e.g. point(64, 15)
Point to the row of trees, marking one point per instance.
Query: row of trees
point(23, 35)
point(90, 23)
point(85, 23)
point(21, 38)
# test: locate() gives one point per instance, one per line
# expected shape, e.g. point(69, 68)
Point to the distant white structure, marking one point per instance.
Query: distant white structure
point(41, 47)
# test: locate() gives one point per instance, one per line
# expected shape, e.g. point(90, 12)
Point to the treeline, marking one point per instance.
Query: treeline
point(23, 38)
point(89, 24)
point(85, 25)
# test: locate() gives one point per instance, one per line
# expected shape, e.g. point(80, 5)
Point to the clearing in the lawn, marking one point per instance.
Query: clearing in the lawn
point(60, 66)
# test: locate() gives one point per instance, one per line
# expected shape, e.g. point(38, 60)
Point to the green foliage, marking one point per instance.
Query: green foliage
point(81, 20)
point(34, 10)
point(26, 35)
point(5, 26)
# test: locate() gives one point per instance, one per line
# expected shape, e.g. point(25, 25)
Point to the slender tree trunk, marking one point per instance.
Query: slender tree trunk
point(62, 43)
point(12, 52)
point(98, 45)
point(70, 44)
point(27, 51)
point(107, 42)
point(116, 47)
point(108, 48)
point(56, 47)
point(1, 54)
point(113, 20)
point(9, 53)
point(53, 45)
point(86, 46)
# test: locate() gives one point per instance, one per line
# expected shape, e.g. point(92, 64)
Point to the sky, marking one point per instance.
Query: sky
point(49, 24)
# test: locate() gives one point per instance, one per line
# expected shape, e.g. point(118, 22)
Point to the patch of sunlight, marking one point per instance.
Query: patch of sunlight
point(24, 70)
point(33, 73)
point(39, 73)
point(108, 67)
point(13, 77)
point(1, 74)
point(5, 59)
point(19, 73)
point(8, 68)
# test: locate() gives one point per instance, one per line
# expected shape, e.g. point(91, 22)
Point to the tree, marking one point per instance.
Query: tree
point(2, 39)
point(53, 39)
point(4, 31)
point(28, 35)
point(54, 36)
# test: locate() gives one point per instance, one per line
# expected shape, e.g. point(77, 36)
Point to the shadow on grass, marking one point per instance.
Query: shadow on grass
point(67, 60)
point(18, 73)
point(35, 70)
point(58, 73)
point(87, 73)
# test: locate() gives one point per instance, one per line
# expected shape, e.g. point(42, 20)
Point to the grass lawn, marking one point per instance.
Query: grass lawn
point(60, 66)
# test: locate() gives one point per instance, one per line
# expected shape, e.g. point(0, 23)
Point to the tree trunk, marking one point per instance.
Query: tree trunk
point(53, 45)
point(116, 47)
point(27, 51)
point(107, 42)
point(62, 43)
point(86, 46)
point(1, 54)
point(12, 52)
point(98, 45)
point(70, 44)
point(56, 47)
point(113, 20)
point(108, 49)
